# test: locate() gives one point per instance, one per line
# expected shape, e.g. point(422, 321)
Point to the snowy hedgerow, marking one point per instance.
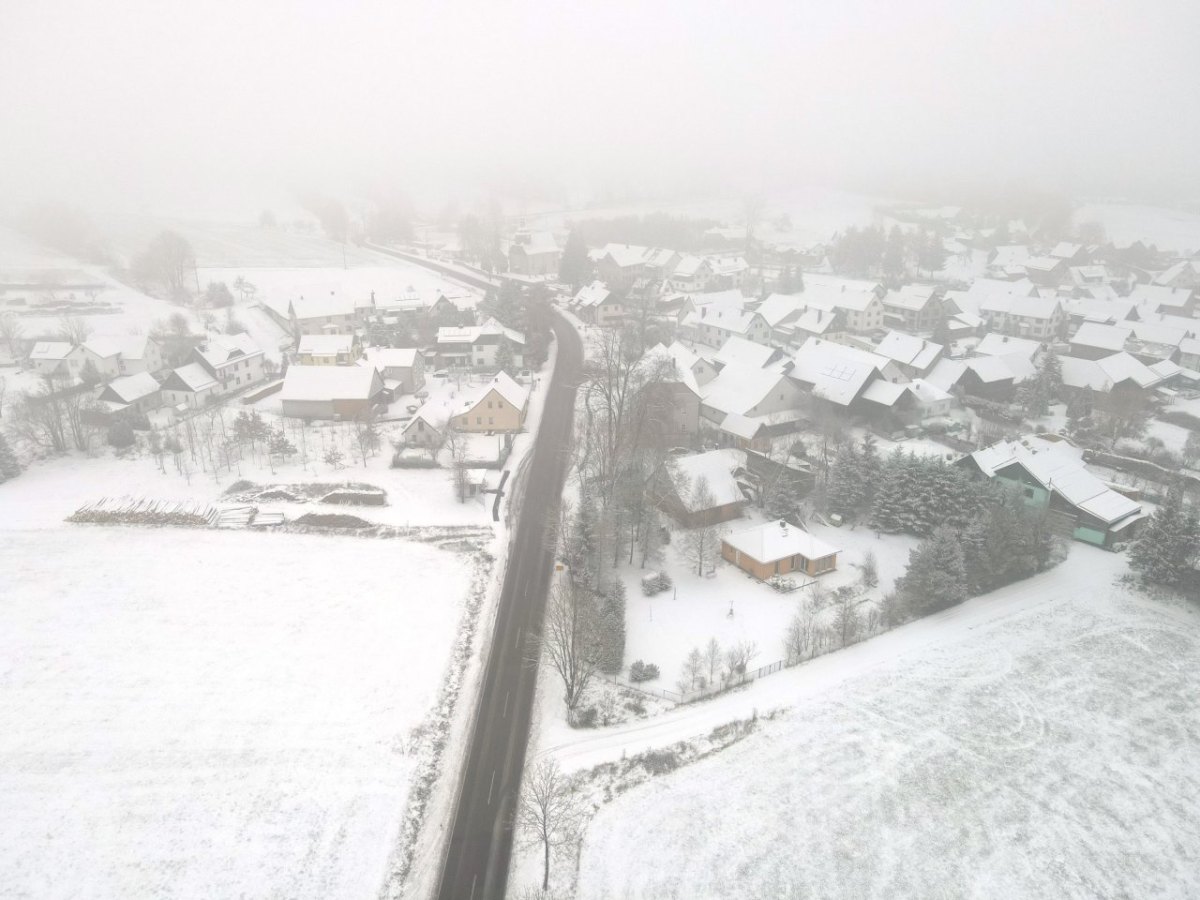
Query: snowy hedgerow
point(9, 467)
point(642, 671)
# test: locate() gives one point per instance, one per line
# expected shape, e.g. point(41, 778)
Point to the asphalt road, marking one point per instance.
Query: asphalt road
point(481, 838)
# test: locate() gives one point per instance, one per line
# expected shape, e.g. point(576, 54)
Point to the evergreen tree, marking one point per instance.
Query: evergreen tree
point(1169, 547)
point(612, 627)
point(574, 266)
point(846, 491)
point(936, 577)
point(9, 467)
point(887, 514)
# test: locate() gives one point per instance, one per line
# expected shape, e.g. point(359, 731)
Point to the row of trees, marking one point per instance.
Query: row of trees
point(872, 252)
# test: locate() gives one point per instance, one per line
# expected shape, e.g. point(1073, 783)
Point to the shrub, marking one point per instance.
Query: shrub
point(585, 717)
point(656, 583)
point(120, 435)
point(642, 671)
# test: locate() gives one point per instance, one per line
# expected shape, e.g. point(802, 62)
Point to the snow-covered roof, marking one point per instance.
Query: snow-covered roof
point(1042, 263)
point(130, 347)
point(739, 388)
point(194, 377)
point(51, 350)
point(779, 307)
point(1103, 374)
point(394, 357)
point(909, 350)
point(717, 468)
point(990, 369)
point(1095, 309)
point(220, 349)
point(1018, 305)
point(836, 373)
point(885, 393)
point(927, 392)
point(1102, 337)
point(1065, 250)
point(470, 334)
point(1009, 255)
point(534, 243)
point(129, 388)
point(1059, 467)
point(856, 297)
point(329, 382)
point(946, 374)
point(994, 344)
point(591, 295)
point(322, 305)
point(912, 297)
point(503, 385)
point(1153, 296)
point(1185, 267)
point(326, 344)
point(738, 350)
point(773, 541)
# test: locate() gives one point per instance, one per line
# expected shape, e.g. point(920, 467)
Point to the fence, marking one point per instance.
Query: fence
point(726, 684)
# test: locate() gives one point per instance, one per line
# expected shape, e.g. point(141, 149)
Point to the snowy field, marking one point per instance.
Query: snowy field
point(212, 714)
point(1044, 747)
point(389, 280)
point(1169, 229)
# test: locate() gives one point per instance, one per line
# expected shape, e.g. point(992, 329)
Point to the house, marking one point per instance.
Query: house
point(674, 394)
point(620, 265)
point(499, 405)
point(427, 428)
point(739, 351)
point(995, 377)
point(596, 304)
point(720, 499)
point(1052, 476)
point(57, 358)
point(1008, 260)
point(1093, 340)
point(534, 254)
point(1091, 309)
point(330, 392)
point(857, 303)
point(913, 308)
point(1189, 354)
point(933, 401)
point(1183, 274)
point(1071, 254)
point(322, 315)
point(480, 346)
point(328, 349)
point(116, 356)
point(1118, 371)
point(233, 360)
point(1164, 299)
point(777, 548)
point(915, 356)
point(1046, 270)
point(1025, 316)
point(132, 393)
point(190, 385)
point(1005, 345)
point(748, 391)
point(403, 369)
point(712, 324)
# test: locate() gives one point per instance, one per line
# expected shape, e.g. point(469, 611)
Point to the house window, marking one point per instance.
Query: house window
point(479, 420)
point(489, 404)
point(490, 420)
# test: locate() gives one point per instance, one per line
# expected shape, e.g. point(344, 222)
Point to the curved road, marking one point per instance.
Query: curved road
point(480, 846)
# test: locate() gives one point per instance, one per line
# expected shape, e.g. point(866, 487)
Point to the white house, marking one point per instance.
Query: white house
point(57, 358)
point(190, 385)
point(233, 360)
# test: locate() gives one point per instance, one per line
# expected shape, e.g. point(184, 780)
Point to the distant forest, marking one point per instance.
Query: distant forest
point(650, 230)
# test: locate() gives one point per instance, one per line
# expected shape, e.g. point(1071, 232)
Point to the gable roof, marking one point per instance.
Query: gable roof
point(393, 357)
point(716, 467)
point(773, 541)
point(330, 383)
point(591, 295)
point(129, 347)
point(502, 384)
point(51, 350)
point(837, 373)
point(129, 388)
point(738, 388)
point(1103, 374)
point(738, 350)
point(909, 350)
point(1102, 337)
point(912, 297)
point(994, 344)
point(220, 349)
point(191, 377)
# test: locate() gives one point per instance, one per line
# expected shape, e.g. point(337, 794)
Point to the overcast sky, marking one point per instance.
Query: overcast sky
point(145, 98)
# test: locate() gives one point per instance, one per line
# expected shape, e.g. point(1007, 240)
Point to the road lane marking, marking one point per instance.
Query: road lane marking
point(491, 786)
point(505, 713)
point(473, 880)
point(517, 645)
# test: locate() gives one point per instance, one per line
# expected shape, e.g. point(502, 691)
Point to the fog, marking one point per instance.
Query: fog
point(152, 102)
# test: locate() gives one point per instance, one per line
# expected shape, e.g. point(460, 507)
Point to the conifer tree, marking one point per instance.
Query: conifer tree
point(936, 577)
point(9, 467)
point(1169, 546)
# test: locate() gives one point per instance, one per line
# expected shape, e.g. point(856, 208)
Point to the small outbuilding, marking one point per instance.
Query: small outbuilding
point(777, 548)
point(330, 392)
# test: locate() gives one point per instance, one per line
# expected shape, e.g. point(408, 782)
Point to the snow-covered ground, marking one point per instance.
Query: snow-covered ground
point(209, 713)
point(1169, 229)
point(1034, 742)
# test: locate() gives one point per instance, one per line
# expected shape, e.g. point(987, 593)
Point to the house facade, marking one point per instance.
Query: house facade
point(329, 350)
point(778, 548)
point(234, 361)
point(330, 392)
point(500, 405)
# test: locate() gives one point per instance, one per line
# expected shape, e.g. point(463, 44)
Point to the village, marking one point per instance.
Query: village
point(774, 463)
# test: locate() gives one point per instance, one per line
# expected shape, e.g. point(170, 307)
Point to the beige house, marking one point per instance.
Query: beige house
point(330, 392)
point(500, 405)
point(777, 548)
point(328, 349)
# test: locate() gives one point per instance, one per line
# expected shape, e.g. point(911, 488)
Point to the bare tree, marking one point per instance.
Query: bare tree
point(846, 620)
point(700, 543)
point(570, 639)
point(366, 436)
point(800, 639)
point(693, 670)
point(738, 658)
point(456, 445)
point(73, 329)
point(550, 811)
point(56, 415)
point(11, 330)
point(712, 658)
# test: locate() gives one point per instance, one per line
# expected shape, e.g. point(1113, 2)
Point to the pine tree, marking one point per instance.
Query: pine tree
point(888, 510)
point(936, 577)
point(574, 266)
point(846, 490)
point(612, 628)
point(1169, 546)
point(9, 467)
